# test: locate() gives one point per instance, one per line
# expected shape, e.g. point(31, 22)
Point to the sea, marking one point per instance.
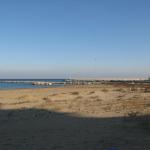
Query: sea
point(5, 85)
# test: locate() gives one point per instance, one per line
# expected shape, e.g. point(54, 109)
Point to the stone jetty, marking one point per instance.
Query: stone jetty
point(32, 82)
point(84, 81)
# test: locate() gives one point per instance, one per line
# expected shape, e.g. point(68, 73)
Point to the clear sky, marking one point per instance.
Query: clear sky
point(61, 38)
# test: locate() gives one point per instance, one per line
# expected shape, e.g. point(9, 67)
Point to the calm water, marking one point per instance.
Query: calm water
point(28, 85)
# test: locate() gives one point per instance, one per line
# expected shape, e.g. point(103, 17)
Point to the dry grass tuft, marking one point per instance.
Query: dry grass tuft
point(92, 92)
point(79, 104)
point(148, 104)
point(1, 105)
point(75, 93)
point(147, 89)
point(108, 108)
point(105, 90)
point(136, 102)
point(119, 90)
point(79, 97)
point(70, 106)
point(19, 102)
point(133, 89)
point(121, 96)
point(46, 98)
point(57, 108)
point(133, 114)
point(94, 97)
point(99, 100)
point(24, 96)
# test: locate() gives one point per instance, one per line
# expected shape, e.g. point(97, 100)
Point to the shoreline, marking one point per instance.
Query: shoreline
point(36, 88)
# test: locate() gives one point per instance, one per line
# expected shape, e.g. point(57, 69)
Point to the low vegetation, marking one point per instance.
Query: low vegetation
point(46, 98)
point(75, 93)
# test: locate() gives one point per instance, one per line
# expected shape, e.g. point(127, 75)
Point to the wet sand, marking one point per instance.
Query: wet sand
point(76, 117)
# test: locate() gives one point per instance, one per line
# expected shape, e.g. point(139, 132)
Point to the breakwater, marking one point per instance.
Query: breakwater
point(98, 81)
point(84, 81)
point(31, 82)
point(46, 83)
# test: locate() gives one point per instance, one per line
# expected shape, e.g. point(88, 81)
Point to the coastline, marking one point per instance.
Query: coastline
point(44, 83)
point(30, 83)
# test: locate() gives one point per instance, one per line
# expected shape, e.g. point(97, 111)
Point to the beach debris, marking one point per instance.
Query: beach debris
point(112, 149)
point(10, 113)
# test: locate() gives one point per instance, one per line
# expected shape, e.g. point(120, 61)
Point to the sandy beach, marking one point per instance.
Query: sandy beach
point(76, 117)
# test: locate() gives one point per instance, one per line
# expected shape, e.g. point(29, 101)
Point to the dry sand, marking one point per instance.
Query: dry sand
point(76, 117)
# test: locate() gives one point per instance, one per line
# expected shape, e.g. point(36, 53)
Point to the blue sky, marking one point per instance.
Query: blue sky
point(61, 38)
